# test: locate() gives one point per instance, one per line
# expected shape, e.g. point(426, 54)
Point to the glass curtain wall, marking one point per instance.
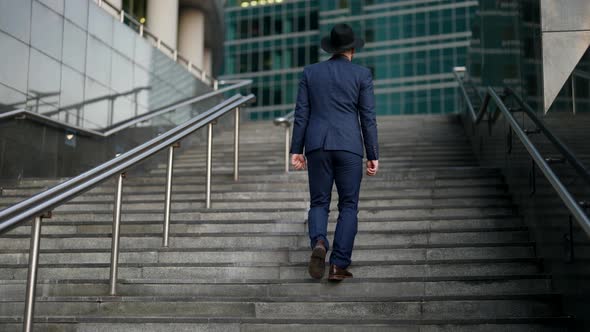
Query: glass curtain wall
point(271, 44)
point(72, 61)
point(411, 48)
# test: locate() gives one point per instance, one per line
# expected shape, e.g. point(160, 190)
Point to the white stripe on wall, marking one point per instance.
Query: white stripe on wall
point(399, 12)
point(418, 87)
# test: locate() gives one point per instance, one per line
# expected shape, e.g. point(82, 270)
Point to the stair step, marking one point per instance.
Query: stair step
point(207, 255)
point(300, 204)
point(384, 288)
point(270, 226)
point(318, 308)
point(258, 240)
point(295, 215)
point(181, 324)
point(198, 192)
point(234, 272)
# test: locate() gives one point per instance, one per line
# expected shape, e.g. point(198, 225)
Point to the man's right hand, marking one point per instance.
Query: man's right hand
point(372, 167)
point(298, 161)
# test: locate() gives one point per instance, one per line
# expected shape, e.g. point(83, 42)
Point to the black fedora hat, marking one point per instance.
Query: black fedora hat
point(341, 38)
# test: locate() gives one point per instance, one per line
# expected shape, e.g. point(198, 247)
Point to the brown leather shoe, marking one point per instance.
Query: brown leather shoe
point(317, 261)
point(338, 274)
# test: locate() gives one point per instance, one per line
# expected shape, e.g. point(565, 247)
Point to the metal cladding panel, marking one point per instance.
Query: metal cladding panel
point(565, 28)
point(565, 15)
point(561, 53)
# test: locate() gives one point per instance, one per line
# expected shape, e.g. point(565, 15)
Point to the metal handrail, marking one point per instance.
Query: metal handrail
point(570, 202)
point(235, 84)
point(51, 197)
point(580, 168)
point(286, 121)
point(121, 15)
point(40, 205)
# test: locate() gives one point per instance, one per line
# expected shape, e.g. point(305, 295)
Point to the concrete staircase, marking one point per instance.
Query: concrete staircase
point(440, 247)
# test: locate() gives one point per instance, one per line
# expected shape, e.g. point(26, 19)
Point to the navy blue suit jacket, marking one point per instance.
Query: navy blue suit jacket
point(333, 96)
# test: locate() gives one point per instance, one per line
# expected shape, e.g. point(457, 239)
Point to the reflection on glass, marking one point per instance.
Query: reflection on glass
point(124, 109)
point(57, 5)
point(44, 82)
point(77, 11)
point(98, 61)
point(15, 18)
point(143, 53)
point(72, 88)
point(11, 99)
point(141, 78)
point(121, 73)
point(124, 40)
point(13, 70)
point(100, 24)
point(46, 30)
point(74, 46)
point(96, 113)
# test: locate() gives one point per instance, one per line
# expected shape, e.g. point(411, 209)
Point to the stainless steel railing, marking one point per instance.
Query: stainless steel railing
point(39, 206)
point(570, 202)
point(286, 122)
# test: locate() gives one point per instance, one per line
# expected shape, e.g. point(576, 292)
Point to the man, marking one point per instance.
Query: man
point(333, 95)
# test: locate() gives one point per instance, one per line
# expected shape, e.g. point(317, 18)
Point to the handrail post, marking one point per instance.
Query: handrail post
point(168, 193)
point(287, 138)
point(236, 143)
point(32, 272)
point(209, 146)
point(116, 234)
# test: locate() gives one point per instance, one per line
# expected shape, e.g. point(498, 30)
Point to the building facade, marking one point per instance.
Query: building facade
point(411, 48)
point(82, 66)
point(193, 27)
point(271, 43)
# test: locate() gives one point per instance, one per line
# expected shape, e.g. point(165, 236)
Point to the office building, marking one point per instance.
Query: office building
point(411, 48)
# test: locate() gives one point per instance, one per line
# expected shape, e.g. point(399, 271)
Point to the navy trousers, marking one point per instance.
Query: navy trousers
point(346, 170)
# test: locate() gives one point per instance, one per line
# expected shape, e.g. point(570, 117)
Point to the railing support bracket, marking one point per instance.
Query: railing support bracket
point(116, 235)
point(209, 156)
point(32, 271)
point(554, 160)
point(168, 198)
point(236, 144)
point(532, 131)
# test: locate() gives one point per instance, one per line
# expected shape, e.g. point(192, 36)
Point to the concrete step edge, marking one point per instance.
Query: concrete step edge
point(357, 264)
